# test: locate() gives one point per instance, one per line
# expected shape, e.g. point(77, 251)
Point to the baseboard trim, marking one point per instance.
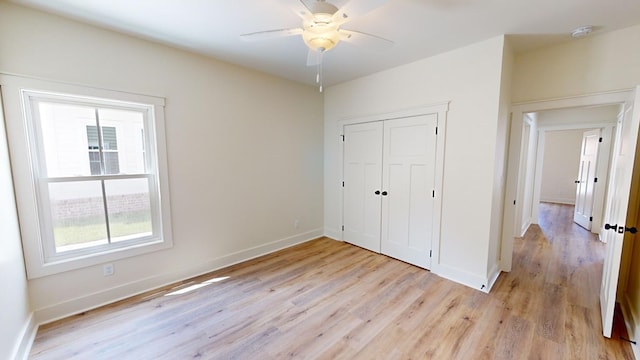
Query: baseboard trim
point(333, 234)
point(25, 341)
point(493, 276)
point(560, 201)
point(124, 291)
point(525, 227)
point(463, 277)
point(631, 323)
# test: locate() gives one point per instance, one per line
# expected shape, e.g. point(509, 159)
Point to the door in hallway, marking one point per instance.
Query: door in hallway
point(586, 182)
point(622, 173)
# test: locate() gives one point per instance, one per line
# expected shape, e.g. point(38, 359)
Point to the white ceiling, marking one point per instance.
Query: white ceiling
point(419, 28)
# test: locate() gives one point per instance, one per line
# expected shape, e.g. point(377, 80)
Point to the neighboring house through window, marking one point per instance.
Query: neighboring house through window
point(106, 154)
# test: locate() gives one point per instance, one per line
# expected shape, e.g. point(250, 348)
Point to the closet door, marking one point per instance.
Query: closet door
point(362, 179)
point(409, 159)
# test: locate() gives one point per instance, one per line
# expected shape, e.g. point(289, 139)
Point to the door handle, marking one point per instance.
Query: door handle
point(577, 181)
point(632, 230)
point(377, 192)
point(611, 227)
point(384, 193)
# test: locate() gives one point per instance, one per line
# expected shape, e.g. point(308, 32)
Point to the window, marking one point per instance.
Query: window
point(98, 180)
point(106, 156)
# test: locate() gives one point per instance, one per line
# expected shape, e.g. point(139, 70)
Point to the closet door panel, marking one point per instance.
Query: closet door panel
point(409, 158)
point(362, 178)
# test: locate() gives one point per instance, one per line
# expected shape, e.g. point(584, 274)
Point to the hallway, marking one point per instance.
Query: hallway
point(555, 284)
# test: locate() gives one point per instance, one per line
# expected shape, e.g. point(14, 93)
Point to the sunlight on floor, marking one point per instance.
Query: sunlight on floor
point(196, 286)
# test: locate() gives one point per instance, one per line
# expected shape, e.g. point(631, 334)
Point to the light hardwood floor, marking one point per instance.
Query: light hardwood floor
point(330, 300)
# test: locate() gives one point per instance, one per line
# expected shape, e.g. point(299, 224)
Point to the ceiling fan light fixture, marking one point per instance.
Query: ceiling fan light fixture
point(321, 36)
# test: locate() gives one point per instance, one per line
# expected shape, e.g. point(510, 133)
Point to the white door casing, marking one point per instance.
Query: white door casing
point(362, 178)
point(514, 192)
point(409, 156)
point(585, 182)
point(622, 172)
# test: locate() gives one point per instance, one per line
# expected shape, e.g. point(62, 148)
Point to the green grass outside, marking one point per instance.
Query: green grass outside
point(91, 229)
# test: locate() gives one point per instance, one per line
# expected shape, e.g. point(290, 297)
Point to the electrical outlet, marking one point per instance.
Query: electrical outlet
point(107, 270)
point(296, 223)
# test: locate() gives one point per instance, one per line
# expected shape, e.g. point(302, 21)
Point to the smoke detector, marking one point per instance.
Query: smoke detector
point(582, 31)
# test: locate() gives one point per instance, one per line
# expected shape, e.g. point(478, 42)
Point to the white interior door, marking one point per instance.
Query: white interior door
point(409, 159)
point(362, 179)
point(585, 183)
point(623, 163)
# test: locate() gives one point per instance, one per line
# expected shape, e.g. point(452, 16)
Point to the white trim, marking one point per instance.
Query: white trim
point(21, 147)
point(25, 340)
point(494, 273)
point(466, 278)
point(440, 109)
point(631, 323)
point(121, 292)
point(514, 186)
point(564, 201)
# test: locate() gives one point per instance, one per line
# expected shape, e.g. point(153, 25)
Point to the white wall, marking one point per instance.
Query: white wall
point(560, 166)
point(245, 152)
point(15, 311)
point(597, 63)
point(470, 78)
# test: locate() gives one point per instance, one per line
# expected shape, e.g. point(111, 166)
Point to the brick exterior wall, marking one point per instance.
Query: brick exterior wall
point(87, 207)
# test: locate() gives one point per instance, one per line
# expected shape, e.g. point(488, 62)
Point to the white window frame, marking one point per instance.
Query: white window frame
point(39, 248)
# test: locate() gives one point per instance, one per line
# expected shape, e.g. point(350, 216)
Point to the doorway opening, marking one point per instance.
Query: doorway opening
point(617, 199)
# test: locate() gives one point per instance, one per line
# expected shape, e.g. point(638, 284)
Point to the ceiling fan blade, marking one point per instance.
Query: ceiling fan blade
point(369, 41)
point(299, 7)
point(270, 34)
point(355, 8)
point(314, 58)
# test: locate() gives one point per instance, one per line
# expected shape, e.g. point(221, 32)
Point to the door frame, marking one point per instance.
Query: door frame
point(602, 172)
point(514, 192)
point(440, 109)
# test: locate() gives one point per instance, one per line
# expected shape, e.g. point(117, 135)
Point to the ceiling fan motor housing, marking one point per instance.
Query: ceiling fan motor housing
point(321, 33)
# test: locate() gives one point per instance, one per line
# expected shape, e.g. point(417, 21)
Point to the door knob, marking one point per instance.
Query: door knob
point(611, 227)
point(377, 192)
point(384, 193)
point(577, 181)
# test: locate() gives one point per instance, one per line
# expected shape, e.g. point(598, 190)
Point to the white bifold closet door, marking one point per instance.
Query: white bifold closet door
point(362, 178)
point(389, 174)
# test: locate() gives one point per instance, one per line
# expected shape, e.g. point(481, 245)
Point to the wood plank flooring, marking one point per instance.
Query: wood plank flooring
point(330, 300)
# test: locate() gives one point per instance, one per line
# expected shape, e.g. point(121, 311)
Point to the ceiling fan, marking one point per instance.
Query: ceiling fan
point(322, 28)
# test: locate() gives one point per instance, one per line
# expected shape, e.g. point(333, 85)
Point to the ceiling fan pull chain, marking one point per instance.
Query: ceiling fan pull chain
point(320, 69)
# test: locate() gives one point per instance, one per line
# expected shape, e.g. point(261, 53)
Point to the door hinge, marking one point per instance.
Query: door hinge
point(600, 140)
point(514, 202)
point(595, 180)
point(342, 138)
point(343, 184)
point(342, 227)
point(433, 193)
point(430, 253)
point(436, 130)
point(590, 218)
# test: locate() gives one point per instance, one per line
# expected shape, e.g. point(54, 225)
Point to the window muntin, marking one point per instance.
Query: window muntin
point(103, 201)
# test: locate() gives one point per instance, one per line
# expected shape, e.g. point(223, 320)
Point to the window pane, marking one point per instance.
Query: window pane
point(64, 138)
point(94, 162)
point(109, 138)
point(129, 208)
point(121, 131)
point(111, 163)
point(77, 213)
